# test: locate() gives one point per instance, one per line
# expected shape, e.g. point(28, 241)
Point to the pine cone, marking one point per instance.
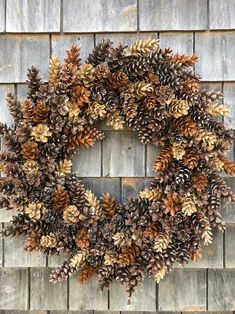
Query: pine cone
point(48, 241)
point(14, 107)
point(81, 141)
point(199, 182)
point(142, 89)
point(184, 59)
point(115, 120)
point(27, 108)
point(34, 82)
point(178, 108)
point(23, 131)
point(164, 158)
point(86, 273)
point(30, 150)
point(34, 210)
point(80, 95)
point(118, 79)
point(161, 242)
point(41, 133)
point(86, 74)
point(99, 53)
point(77, 260)
point(186, 126)
point(191, 158)
point(73, 55)
point(71, 214)
point(82, 239)
point(41, 112)
point(102, 72)
point(172, 204)
point(62, 272)
point(60, 199)
point(188, 205)
point(31, 244)
point(142, 47)
point(54, 70)
point(109, 204)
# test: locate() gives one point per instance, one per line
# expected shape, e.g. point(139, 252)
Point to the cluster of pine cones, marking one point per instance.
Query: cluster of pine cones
point(156, 94)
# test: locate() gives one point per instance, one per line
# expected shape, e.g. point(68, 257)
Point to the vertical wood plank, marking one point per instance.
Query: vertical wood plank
point(2, 16)
point(222, 14)
point(45, 295)
point(15, 256)
point(14, 289)
point(221, 290)
point(230, 247)
point(229, 97)
point(183, 290)
point(87, 162)
point(123, 155)
point(181, 42)
point(228, 209)
point(87, 296)
point(151, 155)
point(72, 312)
point(146, 291)
point(1, 248)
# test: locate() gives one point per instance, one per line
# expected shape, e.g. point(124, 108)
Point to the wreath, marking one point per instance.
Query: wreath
point(158, 95)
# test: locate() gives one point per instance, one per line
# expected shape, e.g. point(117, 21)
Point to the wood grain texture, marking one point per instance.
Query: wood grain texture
point(221, 290)
point(181, 42)
point(23, 312)
point(124, 155)
point(61, 43)
point(114, 15)
point(222, 14)
point(183, 290)
point(172, 15)
point(13, 289)
point(2, 15)
point(26, 50)
point(15, 256)
point(5, 116)
point(26, 16)
point(55, 260)
point(230, 247)
point(217, 55)
point(45, 295)
point(125, 39)
point(229, 120)
point(146, 292)
point(1, 248)
point(87, 296)
point(151, 155)
point(87, 162)
point(72, 312)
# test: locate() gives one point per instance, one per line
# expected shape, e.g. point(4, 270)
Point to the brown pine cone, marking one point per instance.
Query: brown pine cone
point(109, 204)
point(102, 72)
point(81, 141)
point(186, 125)
point(34, 210)
point(191, 86)
point(86, 273)
point(80, 95)
point(31, 244)
point(49, 240)
point(164, 158)
point(41, 112)
point(23, 131)
point(60, 199)
point(191, 158)
point(14, 106)
point(71, 214)
point(118, 79)
point(150, 102)
point(29, 150)
point(161, 242)
point(199, 182)
point(82, 239)
point(86, 74)
point(27, 108)
point(172, 203)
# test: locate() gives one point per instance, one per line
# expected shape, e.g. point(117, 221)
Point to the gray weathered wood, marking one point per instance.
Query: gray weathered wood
point(1, 248)
point(144, 299)
point(2, 15)
point(212, 255)
point(172, 15)
point(13, 289)
point(183, 290)
point(125, 39)
point(87, 296)
point(5, 115)
point(228, 209)
point(87, 162)
point(151, 155)
point(217, 56)
point(55, 260)
point(221, 290)
point(132, 186)
point(105, 16)
point(45, 295)
point(24, 51)
point(123, 155)
point(179, 42)
point(26, 16)
point(15, 256)
point(74, 312)
point(23, 312)
point(61, 43)
point(222, 14)
point(230, 247)
point(21, 91)
point(103, 185)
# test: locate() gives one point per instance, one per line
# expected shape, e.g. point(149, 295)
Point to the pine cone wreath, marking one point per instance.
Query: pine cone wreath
point(152, 91)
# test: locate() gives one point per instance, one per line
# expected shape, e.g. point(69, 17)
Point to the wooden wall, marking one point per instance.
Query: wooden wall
point(30, 30)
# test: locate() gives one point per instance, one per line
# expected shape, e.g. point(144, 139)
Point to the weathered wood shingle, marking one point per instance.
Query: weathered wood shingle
point(2, 16)
point(221, 290)
point(45, 295)
point(13, 289)
point(222, 14)
point(217, 55)
point(105, 16)
point(24, 51)
point(230, 247)
point(181, 42)
point(172, 15)
point(183, 290)
point(26, 16)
